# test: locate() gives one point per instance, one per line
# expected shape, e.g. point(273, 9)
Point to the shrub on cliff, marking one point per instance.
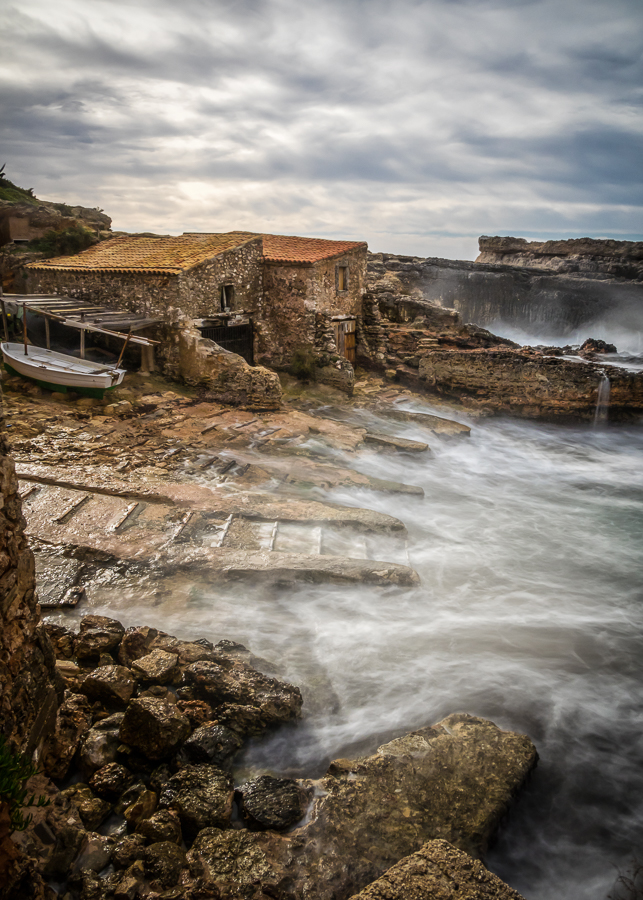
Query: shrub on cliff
point(64, 241)
point(304, 363)
point(15, 770)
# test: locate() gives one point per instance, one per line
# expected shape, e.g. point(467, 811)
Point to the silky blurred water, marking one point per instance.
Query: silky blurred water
point(528, 542)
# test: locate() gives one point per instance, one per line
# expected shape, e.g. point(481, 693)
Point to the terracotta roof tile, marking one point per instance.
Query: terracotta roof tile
point(283, 248)
point(148, 253)
point(174, 254)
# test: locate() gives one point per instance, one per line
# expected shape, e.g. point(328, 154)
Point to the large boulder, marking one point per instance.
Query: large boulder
point(155, 727)
point(163, 863)
point(452, 781)
point(157, 667)
point(438, 871)
point(202, 796)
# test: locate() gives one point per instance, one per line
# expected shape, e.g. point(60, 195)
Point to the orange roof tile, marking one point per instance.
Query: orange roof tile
point(283, 248)
point(148, 253)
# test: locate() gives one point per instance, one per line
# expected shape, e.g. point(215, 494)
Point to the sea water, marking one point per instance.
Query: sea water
point(529, 544)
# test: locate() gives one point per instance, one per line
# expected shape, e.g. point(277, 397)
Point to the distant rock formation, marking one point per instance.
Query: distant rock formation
point(578, 258)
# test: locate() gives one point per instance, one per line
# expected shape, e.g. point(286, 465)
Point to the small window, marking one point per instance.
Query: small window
point(227, 297)
point(342, 278)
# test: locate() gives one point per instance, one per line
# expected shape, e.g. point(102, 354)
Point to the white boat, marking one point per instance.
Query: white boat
point(59, 372)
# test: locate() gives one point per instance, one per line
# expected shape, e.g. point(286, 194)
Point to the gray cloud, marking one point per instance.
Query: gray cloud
point(425, 121)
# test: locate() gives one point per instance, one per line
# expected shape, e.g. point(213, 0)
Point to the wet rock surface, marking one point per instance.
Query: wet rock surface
point(155, 727)
point(270, 803)
point(201, 795)
point(438, 871)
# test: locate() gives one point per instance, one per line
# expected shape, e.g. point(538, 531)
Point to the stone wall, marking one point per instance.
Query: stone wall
point(285, 318)
point(28, 700)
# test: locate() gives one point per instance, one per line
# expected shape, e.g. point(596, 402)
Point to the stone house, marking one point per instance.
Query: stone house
point(263, 296)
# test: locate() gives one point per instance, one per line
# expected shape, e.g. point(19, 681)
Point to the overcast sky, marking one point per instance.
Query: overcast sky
point(414, 124)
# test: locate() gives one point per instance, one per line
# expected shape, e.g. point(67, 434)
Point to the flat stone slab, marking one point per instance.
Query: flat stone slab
point(438, 871)
point(446, 428)
point(395, 443)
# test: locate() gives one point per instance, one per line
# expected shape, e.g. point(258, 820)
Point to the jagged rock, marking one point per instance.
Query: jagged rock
point(72, 721)
point(155, 727)
point(211, 743)
point(69, 840)
point(110, 781)
point(100, 744)
point(233, 681)
point(273, 803)
point(111, 685)
point(164, 825)
point(95, 852)
point(163, 863)
point(98, 634)
point(158, 666)
point(62, 639)
point(202, 795)
point(93, 811)
point(438, 871)
point(128, 850)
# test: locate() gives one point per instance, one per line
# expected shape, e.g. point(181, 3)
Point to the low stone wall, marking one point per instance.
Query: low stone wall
point(227, 376)
point(28, 700)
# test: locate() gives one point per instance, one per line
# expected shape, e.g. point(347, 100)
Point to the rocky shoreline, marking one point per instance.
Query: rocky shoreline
point(139, 770)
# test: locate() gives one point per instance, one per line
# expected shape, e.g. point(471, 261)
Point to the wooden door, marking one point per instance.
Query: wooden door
point(345, 338)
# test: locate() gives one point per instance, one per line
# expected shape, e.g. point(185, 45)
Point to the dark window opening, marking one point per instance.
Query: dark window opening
point(235, 338)
point(227, 297)
point(342, 278)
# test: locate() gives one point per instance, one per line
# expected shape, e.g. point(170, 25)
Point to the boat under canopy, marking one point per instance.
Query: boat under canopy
point(59, 372)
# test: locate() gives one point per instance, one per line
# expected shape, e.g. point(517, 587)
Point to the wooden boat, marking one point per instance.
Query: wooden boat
point(58, 372)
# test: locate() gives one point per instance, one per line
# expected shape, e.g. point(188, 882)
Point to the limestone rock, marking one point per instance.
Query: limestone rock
point(111, 685)
point(164, 825)
point(233, 681)
point(141, 808)
point(72, 721)
point(273, 803)
point(98, 634)
point(438, 871)
point(163, 863)
point(62, 639)
point(237, 862)
point(211, 743)
point(155, 727)
point(136, 642)
point(202, 795)
point(128, 850)
point(100, 744)
point(95, 852)
point(110, 781)
point(93, 811)
point(529, 384)
point(158, 667)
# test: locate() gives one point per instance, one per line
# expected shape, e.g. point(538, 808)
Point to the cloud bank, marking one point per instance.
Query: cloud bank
point(416, 125)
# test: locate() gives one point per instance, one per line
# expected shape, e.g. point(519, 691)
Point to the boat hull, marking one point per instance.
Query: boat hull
point(57, 372)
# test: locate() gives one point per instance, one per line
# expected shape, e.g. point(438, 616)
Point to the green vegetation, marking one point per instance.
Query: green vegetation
point(63, 241)
point(11, 191)
point(15, 770)
point(304, 363)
